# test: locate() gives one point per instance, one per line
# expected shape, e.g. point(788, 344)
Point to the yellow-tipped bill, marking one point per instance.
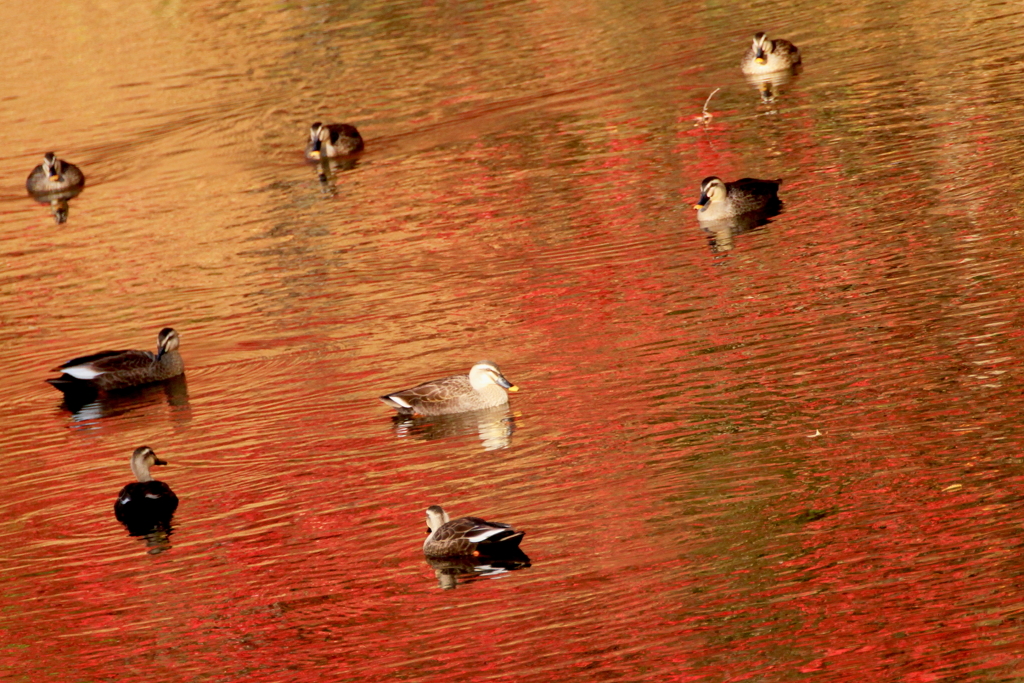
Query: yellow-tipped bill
point(760, 60)
point(513, 388)
point(698, 206)
point(55, 178)
point(315, 154)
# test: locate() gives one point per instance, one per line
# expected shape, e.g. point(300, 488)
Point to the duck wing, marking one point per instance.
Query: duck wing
point(785, 47)
point(148, 493)
point(108, 361)
point(345, 137)
point(341, 130)
point(429, 393)
point(85, 360)
point(479, 531)
point(756, 185)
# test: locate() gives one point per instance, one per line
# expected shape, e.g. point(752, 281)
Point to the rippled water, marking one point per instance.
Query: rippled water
point(790, 453)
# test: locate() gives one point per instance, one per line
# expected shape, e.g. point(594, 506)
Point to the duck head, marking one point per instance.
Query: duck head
point(142, 459)
point(52, 167)
point(762, 46)
point(316, 138)
point(166, 342)
point(712, 189)
point(436, 518)
point(486, 372)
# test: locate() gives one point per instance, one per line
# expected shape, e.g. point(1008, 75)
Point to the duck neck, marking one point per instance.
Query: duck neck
point(171, 360)
point(141, 470)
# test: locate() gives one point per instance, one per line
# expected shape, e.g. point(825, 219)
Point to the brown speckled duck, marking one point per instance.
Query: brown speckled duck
point(54, 175)
point(146, 504)
point(332, 140)
point(720, 200)
point(765, 56)
point(483, 387)
point(467, 536)
point(111, 370)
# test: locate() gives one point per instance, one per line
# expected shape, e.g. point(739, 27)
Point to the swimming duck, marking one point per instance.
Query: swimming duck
point(483, 387)
point(54, 175)
point(467, 536)
point(333, 140)
point(747, 195)
point(765, 56)
point(146, 504)
point(111, 370)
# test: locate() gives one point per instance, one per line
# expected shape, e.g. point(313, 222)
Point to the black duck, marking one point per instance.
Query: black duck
point(147, 504)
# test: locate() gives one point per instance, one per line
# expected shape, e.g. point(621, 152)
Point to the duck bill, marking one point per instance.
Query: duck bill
point(55, 177)
point(508, 385)
point(158, 461)
point(314, 153)
point(759, 57)
point(702, 202)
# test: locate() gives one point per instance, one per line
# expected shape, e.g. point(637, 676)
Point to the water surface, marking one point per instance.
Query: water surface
point(785, 454)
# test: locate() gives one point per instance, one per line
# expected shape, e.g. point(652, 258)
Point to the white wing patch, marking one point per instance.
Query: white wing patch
point(400, 401)
point(482, 533)
point(82, 372)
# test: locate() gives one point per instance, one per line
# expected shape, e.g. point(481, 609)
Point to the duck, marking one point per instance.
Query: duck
point(468, 536)
point(333, 140)
point(765, 56)
point(483, 387)
point(720, 200)
point(112, 370)
point(54, 175)
point(147, 503)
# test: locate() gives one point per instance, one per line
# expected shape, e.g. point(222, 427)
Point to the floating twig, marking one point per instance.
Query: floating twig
point(705, 116)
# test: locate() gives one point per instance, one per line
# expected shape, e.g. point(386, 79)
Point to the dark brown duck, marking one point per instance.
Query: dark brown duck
point(766, 56)
point(54, 175)
point(467, 536)
point(333, 140)
point(111, 370)
point(744, 196)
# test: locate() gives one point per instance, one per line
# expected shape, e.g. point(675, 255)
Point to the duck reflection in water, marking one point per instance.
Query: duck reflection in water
point(494, 426)
point(451, 571)
point(720, 233)
point(146, 507)
point(770, 85)
point(87, 403)
point(470, 547)
point(54, 182)
point(729, 209)
point(328, 170)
